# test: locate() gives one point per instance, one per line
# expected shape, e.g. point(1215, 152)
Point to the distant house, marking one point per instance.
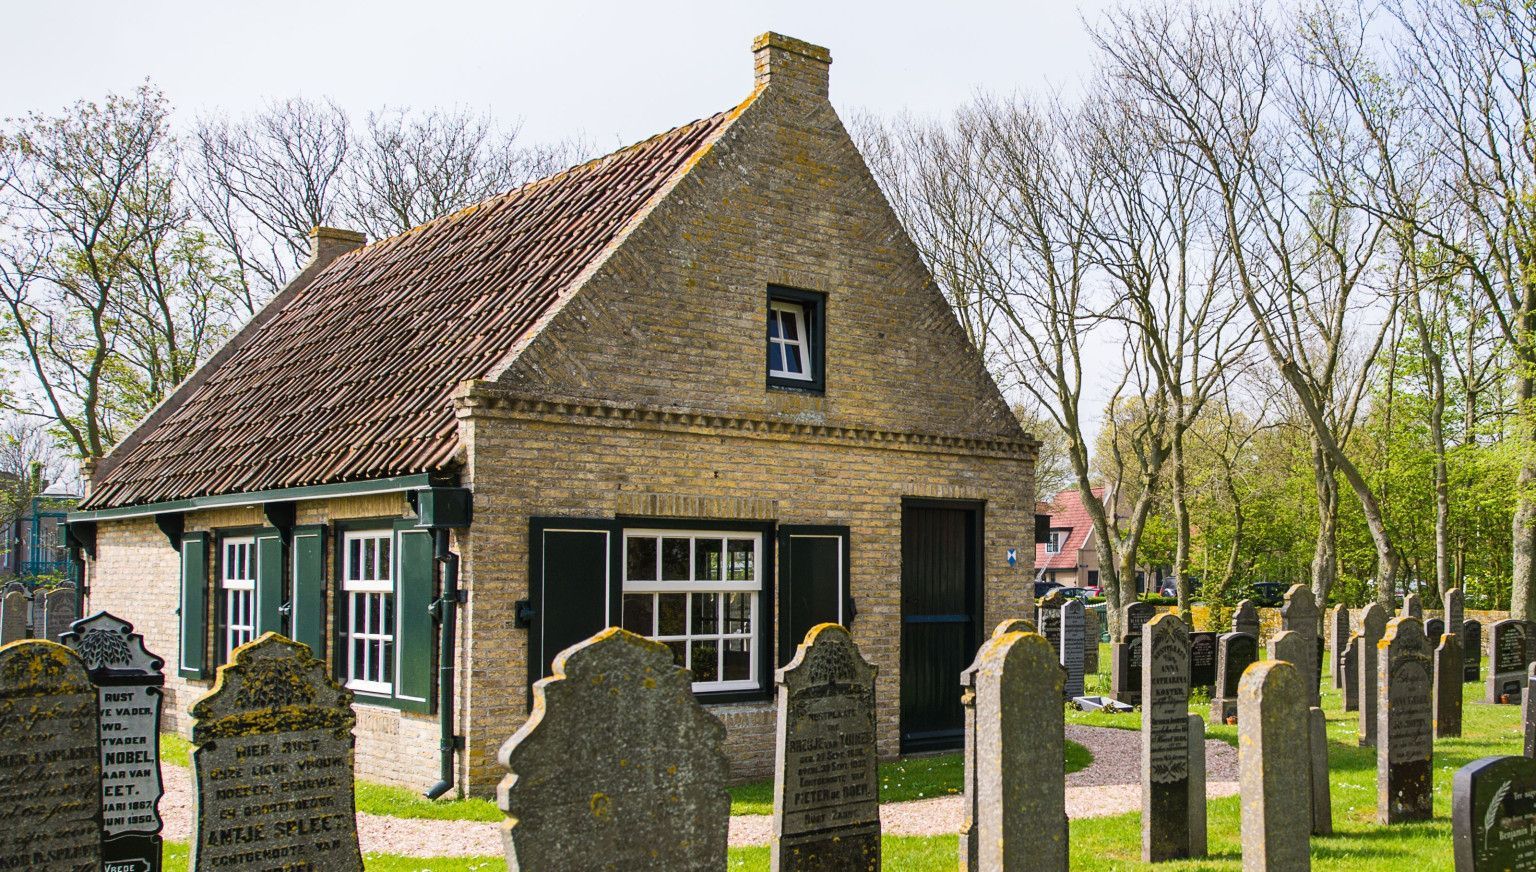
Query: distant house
point(30, 543)
point(702, 387)
point(1070, 555)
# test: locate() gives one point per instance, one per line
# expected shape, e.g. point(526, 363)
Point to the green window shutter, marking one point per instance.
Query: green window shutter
point(269, 582)
point(415, 641)
point(813, 583)
point(194, 606)
point(306, 617)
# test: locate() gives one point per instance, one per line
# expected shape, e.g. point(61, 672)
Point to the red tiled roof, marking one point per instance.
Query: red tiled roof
point(1067, 512)
point(352, 378)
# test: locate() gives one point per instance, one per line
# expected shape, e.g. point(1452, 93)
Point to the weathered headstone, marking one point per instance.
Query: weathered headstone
point(1245, 618)
point(1016, 806)
point(19, 587)
point(1506, 662)
point(1412, 607)
point(1448, 683)
point(1165, 813)
point(1528, 715)
point(1049, 613)
point(1472, 650)
point(1202, 660)
point(1072, 635)
point(1125, 669)
point(272, 764)
point(1453, 612)
point(1014, 625)
point(1351, 668)
point(1273, 771)
point(50, 784)
point(1373, 626)
point(1197, 825)
point(1434, 628)
point(1234, 653)
point(59, 611)
point(129, 682)
point(1300, 615)
point(1405, 726)
point(826, 801)
point(1093, 630)
point(1493, 815)
point(1338, 642)
point(1136, 616)
point(617, 767)
point(1317, 746)
point(13, 616)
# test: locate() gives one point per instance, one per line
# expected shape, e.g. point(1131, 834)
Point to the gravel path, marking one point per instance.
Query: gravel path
point(1109, 786)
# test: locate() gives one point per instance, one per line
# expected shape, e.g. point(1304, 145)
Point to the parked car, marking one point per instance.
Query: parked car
point(1044, 587)
point(1267, 593)
point(1081, 593)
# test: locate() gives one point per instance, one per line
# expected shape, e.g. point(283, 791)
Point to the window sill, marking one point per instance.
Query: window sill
point(796, 387)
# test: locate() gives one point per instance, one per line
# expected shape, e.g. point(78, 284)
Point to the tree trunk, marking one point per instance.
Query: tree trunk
point(1325, 551)
point(1523, 589)
point(1181, 522)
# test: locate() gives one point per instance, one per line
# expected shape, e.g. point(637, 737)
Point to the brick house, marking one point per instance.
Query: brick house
point(1069, 554)
point(702, 387)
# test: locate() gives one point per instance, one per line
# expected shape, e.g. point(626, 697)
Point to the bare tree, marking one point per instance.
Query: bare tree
point(30, 461)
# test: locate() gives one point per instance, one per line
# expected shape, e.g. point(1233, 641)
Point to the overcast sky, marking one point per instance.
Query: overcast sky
point(615, 72)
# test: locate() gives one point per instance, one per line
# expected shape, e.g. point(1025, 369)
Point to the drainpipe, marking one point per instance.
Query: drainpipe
point(447, 609)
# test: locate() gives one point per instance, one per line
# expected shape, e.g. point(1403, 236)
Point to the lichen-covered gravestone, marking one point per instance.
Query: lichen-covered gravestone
point(272, 764)
point(618, 767)
point(1338, 642)
point(1125, 668)
point(968, 705)
point(1351, 690)
point(1412, 607)
point(1165, 812)
point(826, 801)
point(1454, 611)
point(1202, 660)
point(1472, 650)
point(1234, 653)
point(50, 783)
point(1272, 727)
point(1447, 702)
point(129, 682)
point(60, 609)
point(1300, 615)
point(1092, 630)
point(1405, 730)
point(1493, 815)
point(1072, 635)
point(1506, 662)
point(1317, 747)
point(1373, 625)
point(1016, 802)
point(1245, 618)
point(1197, 823)
point(13, 616)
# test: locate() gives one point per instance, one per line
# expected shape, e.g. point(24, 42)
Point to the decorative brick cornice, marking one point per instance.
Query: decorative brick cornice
point(481, 399)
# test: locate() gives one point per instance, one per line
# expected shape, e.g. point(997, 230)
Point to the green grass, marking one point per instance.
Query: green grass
point(175, 750)
point(900, 780)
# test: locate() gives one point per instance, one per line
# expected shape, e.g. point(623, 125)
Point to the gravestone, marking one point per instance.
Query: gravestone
point(1234, 653)
point(1165, 812)
point(129, 682)
point(1300, 615)
point(50, 783)
point(1072, 639)
point(1405, 726)
point(59, 611)
point(1290, 646)
point(1136, 616)
point(1412, 608)
point(1338, 642)
point(1493, 815)
point(1527, 716)
point(1373, 626)
point(1472, 650)
point(1125, 669)
point(1245, 618)
point(1202, 660)
point(1049, 613)
point(1447, 690)
point(826, 808)
point(1351, 691)
point(1093, 631)
point(1273, 770)
point(1197, 824)
point(19, 587)
point(1014, 625)
point(1016, 806)
point(1453, 611)
point(1434, 628)
point(617, 766)
point(1317, 747)
point(13, 616)
point(1506, 662)
point(272, 764)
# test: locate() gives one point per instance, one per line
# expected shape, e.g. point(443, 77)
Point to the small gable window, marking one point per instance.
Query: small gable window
point(796, 334)
point(1057, 541)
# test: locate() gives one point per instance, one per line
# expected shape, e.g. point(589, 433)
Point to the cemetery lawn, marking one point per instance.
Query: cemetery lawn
point(900, 780)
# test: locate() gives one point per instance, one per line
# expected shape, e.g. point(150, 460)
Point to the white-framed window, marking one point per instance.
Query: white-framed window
point(1056, 541)
point(237, 580)
point(698, 593)
point(789, 348)
point(368, 586)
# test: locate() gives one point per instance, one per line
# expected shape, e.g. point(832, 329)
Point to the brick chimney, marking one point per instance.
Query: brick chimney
point(328, 243)
point(785, 62)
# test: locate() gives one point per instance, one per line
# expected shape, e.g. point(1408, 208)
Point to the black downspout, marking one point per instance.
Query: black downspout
point(447, 612)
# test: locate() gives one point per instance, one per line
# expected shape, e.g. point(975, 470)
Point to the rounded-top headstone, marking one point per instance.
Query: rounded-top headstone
point(1013, 625)
point(1405, 724)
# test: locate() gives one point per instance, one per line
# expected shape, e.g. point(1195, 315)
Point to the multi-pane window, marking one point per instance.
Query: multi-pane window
point(237, 580)
point(697, 593)
point(367, 584)
point(1056, 541)
point(788, 345)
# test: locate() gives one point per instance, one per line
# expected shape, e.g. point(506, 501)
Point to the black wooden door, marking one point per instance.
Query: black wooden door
point(939, 622)
point(570, 589)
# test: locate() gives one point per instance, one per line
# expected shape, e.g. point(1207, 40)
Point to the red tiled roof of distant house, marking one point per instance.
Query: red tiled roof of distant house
point(1067, 513)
